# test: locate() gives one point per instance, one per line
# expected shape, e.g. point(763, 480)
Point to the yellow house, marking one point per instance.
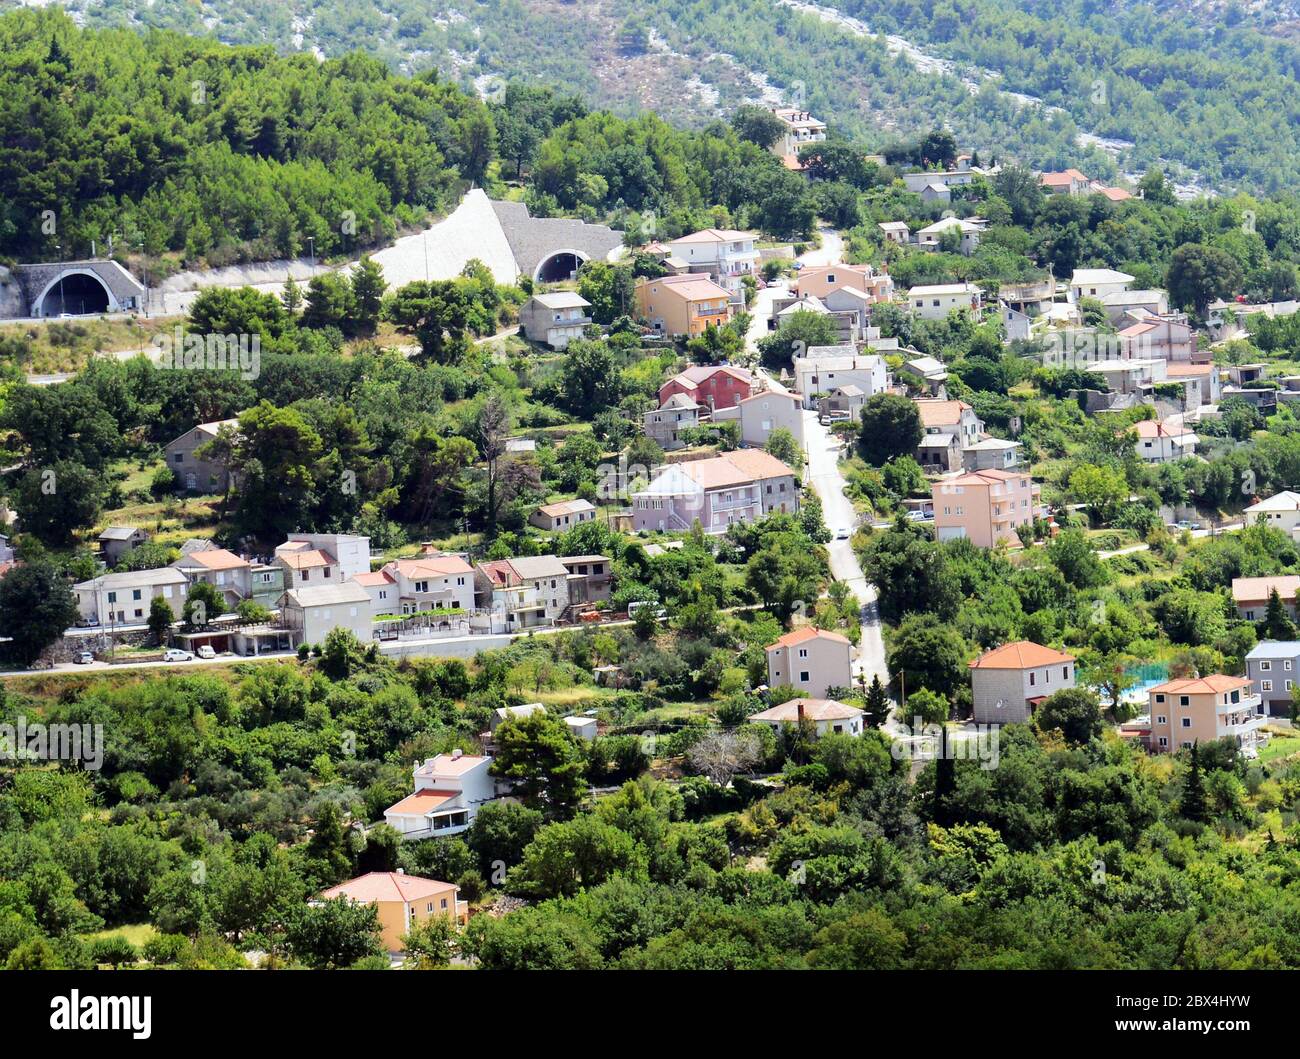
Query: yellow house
point(682, 305)
point(403, 901)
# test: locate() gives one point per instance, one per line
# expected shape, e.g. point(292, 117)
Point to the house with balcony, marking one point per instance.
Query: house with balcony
point(948, 427)
point(1121, 304)
point(525, 592)
point(801, 130)
point(683, 306)
point(229, 573)
point(1009, 682)
point(939, 181)
point(823, 281)
point(1159, 338)
point(590, 580)
point(984, 507)
point(430, 581)
point(1202, 387)
point(896, 232)
point(764, 413)
point(448, 792)
point(1203, 709)
point(724, 255)
point(735, 487)
point(554, 319)
point(666, 425)
point(1273, 667)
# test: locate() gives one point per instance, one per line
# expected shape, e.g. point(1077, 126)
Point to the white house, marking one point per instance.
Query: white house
point(827, 368)
point(322, 558)
point(124, 599)
point(449, 790)
point(313, 612)
point(1279, 511)
point(428, 582)
point(826, 715)
point(1097, 283)
point(936, 301)
point(726, 255)
point(1159, 441)
point(968, 232)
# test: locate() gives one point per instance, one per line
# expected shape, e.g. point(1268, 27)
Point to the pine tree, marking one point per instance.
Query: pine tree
point(1192, 804)
point(291, 298)
point(877, 704)
point(1277, 624)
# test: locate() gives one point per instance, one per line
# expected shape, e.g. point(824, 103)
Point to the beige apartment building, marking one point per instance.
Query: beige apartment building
point(985, 507)
point(811, 660)
point(1202, 709)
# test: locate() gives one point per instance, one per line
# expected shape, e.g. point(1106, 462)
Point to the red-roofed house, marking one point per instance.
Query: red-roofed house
point(1202, 709)
point(1009, 682)
point(448, 791)
point(811, 660)
point(223, 569)
point(710, 386)
point(740, 486)
point(1070, 182)
point(1158, 338)
point(402, 901)
point(826, 715)
point(432, 581)
point(727, 256)
point(1160, 441)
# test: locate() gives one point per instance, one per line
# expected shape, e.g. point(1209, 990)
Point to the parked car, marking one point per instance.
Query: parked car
point(918, 516)
point(206, 651)
point(175, 654)
point(842, 534)
point(84, 658)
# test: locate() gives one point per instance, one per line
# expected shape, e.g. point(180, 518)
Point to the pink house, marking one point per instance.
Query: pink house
point(985, 507)
point(715, 386)
point(740, 486)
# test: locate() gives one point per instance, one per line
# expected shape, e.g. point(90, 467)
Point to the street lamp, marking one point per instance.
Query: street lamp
point(312, 243)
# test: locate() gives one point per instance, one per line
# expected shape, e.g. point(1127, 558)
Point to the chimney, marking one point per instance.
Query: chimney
point(457, 754)
point(401, 871)
point(799, 707)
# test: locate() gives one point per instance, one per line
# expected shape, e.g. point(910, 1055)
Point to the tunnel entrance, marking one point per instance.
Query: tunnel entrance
point(558, 267)
point(77, 293)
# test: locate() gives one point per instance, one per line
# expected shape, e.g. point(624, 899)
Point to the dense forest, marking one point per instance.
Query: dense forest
point(1216, 94)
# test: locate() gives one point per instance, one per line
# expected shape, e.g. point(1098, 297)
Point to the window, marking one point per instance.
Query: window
point(803, 652)
point(112, 597)
point(1161, 720)
point(1183, 700)
point(1160, 698)
point(1033, 679)
point(1164, 741)
point(803, 677)
point(1265, 685)
point(1265, 667)
point(1187, 722)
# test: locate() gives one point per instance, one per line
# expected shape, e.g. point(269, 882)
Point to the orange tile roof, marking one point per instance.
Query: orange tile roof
point(421, 802)
point(940, 413)
point(432, 566)
point(379, 886)
point(377, 577)
point(1258, 589)
point(1022, 654)
point(217, 559)
point(803, 635)
point(1214, 684)
point(1189, 369)
point(734, 468)
point(1152, 428)
point(813, 709)
point(306, 560)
